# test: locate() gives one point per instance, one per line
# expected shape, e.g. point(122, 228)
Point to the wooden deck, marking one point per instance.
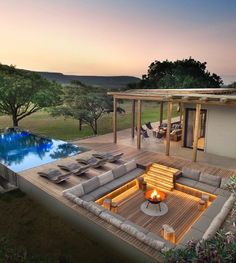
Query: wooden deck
point(142, 157)
point(182, 212)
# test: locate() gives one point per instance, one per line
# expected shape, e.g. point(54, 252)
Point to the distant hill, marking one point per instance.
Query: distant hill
point(98, 81)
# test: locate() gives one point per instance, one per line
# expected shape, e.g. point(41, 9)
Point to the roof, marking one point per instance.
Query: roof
point(219, 96)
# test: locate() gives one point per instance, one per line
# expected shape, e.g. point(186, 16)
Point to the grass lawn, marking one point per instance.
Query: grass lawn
point(28, 225)
point(67, 129)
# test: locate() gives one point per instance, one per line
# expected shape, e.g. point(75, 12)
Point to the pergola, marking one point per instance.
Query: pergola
point(198, 97)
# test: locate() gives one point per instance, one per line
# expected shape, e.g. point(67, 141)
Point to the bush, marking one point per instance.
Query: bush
point(220, 249)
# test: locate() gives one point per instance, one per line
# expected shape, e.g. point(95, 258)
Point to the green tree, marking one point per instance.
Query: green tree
point(22, 93)
point(84, 103)
point(180, 74)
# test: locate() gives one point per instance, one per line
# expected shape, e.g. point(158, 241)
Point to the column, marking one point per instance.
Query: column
point(196, 131)
point(169, 114)
point(161, 112)
point(139, 125)
point(115, 119)
point(133, 119)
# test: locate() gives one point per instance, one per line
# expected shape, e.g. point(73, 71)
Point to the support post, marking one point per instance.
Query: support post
point(133, 119)
point(196, 131)
point(115, 119)
point(139, 125)
point(180, 112)
point(183, 124)
point(161, 112)
point(169, 115)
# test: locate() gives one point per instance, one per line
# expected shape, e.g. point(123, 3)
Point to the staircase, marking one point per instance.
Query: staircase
point(160, 176)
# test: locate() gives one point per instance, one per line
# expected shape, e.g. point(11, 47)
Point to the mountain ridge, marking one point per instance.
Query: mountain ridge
point(98, 81)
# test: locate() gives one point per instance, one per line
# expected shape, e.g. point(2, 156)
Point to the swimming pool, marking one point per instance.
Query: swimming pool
point(21, 150)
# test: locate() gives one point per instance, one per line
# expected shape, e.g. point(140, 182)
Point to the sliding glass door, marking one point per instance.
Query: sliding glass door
point(189, 128)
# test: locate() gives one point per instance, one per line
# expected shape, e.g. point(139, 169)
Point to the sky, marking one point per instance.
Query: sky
point(117, 37)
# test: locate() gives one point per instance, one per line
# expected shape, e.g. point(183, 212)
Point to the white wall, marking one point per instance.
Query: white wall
point(221, 131)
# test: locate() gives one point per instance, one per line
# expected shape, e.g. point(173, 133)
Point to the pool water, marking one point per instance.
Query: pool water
point(21, 150)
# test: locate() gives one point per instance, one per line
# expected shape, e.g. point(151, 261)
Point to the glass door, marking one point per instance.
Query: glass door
point(189, 128)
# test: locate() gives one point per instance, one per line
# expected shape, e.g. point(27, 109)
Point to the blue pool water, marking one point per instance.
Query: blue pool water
point(21, 150)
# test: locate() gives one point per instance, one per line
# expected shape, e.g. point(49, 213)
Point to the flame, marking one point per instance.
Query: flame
point(155, 195)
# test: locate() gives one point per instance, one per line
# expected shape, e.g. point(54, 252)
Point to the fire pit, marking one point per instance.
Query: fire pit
point(154, 197)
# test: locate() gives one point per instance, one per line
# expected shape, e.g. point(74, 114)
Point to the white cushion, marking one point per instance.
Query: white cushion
point(111, 219)
point(70, 196)
point(229, 203)
point(224, 181)
point(105, 178)
point(158, 245)
point(79, 201)
point(77, 190)
point(129, 229)
point(131, 165)
point(212, 229)
point(141, 236)
point(95, 209)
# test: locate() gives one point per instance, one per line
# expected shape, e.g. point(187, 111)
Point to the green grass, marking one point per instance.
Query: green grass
point(68, 129)
point(28, 225)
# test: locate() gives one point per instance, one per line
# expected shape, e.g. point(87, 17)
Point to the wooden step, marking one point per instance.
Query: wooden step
point(158, 186)
point(159, 183)
point(165, 168)
point(167, 174)
point(159, 177)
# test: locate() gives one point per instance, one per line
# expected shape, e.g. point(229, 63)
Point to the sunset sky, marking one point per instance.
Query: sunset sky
point(117, 37)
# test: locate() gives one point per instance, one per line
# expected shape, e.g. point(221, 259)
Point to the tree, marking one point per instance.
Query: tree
point(180, 74)
point(23, 93)
point(84, 103)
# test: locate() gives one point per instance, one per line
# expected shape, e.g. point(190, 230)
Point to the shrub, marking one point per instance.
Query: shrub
point(220, 249)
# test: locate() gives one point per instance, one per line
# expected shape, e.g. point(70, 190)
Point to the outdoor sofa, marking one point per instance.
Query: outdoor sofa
point(205, 227)
point(86, 193)
point(214, 216)
point(99, 186)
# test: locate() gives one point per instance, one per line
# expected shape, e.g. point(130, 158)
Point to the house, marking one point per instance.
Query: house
point(206, 117)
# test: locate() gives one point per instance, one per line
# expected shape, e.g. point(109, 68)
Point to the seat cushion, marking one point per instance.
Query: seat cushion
point(193, 234)
point(215, 207)
point(157, 237)
point(223, 182)
point(205, 187)
point(213, 228)
point(95, 208)
point(121, 218)
point(222, 192)
point(77, 190)
point(99, 192)
point(105, 178)
point(131, 165)
point(141, 229)
point(119, 171)
point(124, 179)
point(191, 173)
point(111, 218)
point(186, 181)
point(213, 180)
point(87, 197)
point(202, 224)
point(90, 185)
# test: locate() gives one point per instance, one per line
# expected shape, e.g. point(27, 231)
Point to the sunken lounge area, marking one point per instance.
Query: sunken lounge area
point(158, 205)
point(119, 221)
